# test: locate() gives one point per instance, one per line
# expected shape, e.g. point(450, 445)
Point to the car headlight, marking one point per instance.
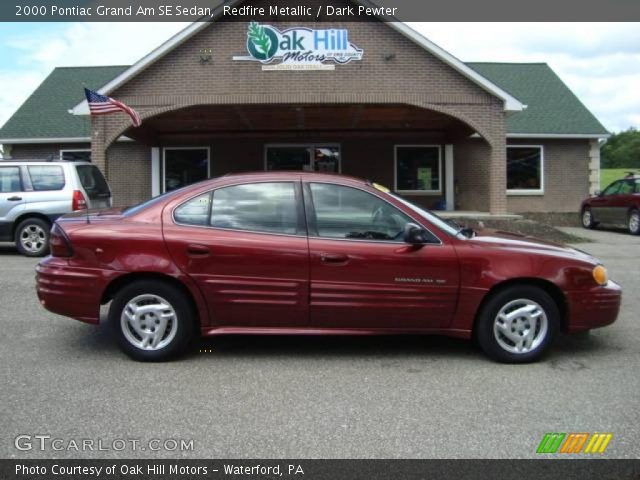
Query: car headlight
point(600, 275)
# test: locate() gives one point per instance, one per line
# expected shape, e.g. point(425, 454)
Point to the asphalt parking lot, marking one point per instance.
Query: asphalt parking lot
point(313, 397)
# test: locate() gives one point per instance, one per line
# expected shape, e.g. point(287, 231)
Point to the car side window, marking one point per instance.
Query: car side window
point(195, 211)
point(10, 180)
point(627, 187)
point(46, 177)
point(637, 190)
point(612, 189)
point(350, 213)
point(268, 207)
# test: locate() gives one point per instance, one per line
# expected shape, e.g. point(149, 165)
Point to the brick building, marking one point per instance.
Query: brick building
point(395, 108)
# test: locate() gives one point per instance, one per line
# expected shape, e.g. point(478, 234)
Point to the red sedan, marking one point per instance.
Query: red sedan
point(307, 253)
point(618, 204)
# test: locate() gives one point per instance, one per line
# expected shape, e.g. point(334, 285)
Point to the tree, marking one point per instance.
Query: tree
point(622, 150)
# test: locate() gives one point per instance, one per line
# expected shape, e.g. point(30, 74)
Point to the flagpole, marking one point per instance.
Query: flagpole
point(88, 124)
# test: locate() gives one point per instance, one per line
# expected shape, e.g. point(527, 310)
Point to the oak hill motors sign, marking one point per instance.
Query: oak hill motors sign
point(299, 48)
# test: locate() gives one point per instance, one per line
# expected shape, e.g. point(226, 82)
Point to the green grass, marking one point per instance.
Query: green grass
point(608, 175)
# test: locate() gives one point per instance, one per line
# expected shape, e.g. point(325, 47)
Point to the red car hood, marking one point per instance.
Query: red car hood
point(515, 241)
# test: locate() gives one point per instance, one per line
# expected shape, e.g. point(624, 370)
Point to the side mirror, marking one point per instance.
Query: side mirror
point(597, 193)
point(415, 235)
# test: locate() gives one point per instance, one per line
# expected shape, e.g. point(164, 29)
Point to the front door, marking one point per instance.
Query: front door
point(603, 206)
point(362, 273)
point(246, 248)
point(308, 158)
point(183, 166)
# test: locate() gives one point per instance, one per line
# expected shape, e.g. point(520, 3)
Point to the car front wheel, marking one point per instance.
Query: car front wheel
point(152, 320)
point(517, 324)
point(634, 222)
point(587, 218)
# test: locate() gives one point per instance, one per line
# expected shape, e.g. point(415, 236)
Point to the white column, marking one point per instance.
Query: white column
point(155, 171)
point(6, 152)
point(594, 166)
point(448, 176)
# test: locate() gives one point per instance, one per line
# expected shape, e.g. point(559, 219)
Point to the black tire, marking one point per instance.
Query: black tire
point(517, 295)
point(633, 222)
point(32, 237)
point(179, 329)
point(586, 218)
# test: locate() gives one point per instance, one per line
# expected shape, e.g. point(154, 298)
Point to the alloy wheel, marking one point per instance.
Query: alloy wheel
point(634, 222)
point(149, 322)
point(33, 238)
point(520, 326)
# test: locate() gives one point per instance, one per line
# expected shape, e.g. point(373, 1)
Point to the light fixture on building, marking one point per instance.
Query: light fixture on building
point(206, 55)
point(389, 56)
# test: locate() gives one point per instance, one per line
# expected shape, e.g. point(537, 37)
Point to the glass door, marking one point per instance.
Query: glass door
point(184, 166)
point(309, 158)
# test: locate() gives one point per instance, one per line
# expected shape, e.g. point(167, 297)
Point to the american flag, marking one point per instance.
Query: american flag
point(102, 105)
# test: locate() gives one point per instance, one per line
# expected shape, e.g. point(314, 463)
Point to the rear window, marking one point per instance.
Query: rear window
point(92, 181)
point(46, 177)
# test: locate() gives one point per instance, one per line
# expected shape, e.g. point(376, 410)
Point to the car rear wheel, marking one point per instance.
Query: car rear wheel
point(634, 222)
point(152, 320)
point(587, 218)
point(32, 237)
point(517, 324)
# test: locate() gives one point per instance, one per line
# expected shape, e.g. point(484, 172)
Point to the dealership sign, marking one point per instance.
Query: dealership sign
point(299, 48)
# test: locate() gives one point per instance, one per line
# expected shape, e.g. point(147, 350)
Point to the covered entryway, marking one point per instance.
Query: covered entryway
point(410, 149)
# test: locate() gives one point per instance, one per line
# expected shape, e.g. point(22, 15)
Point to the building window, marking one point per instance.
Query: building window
point(418, 169)
point(525, 169)
point(183, 166)
point(76, 154)
point(309, 158)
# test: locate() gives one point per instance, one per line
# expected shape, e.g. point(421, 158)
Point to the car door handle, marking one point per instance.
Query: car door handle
point(197, 250)
point(334, 258)
point(14, 199)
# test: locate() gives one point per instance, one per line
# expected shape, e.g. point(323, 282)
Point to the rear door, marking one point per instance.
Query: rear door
point(362, 273)
point(246, 247)
point(12, 199)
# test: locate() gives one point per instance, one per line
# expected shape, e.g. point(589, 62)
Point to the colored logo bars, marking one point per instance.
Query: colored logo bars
point(574, 442)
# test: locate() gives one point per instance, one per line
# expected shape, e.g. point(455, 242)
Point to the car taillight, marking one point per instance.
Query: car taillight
point(79, 202)
point(59, 243)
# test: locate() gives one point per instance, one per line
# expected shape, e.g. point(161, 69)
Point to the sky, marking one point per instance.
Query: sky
point(599, 61)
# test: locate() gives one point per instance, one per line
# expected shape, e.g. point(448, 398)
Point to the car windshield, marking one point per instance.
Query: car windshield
point(430, 216)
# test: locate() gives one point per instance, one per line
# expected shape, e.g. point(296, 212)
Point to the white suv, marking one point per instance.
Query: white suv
point(34, 193)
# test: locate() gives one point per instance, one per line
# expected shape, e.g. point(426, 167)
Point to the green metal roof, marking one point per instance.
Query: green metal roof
point(44, 114)
point(551, 106)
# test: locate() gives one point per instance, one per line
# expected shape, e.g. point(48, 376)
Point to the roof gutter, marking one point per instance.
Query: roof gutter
point(16, 141)
point(558, 135)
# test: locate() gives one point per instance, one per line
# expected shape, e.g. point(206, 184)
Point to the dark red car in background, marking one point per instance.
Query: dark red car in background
point(308, 253)
point(618, 204)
